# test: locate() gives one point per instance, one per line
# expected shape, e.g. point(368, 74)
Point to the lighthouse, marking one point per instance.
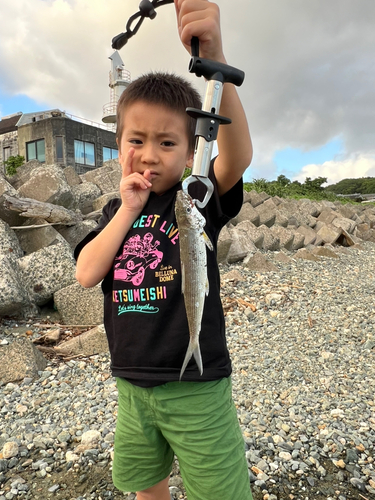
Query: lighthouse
point(119, 79)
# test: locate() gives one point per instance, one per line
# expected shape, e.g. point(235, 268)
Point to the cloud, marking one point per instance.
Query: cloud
point(334, 171)
point(309, 66)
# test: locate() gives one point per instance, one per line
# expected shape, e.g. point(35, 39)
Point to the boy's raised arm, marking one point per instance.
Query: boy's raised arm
point(96, 258)
point(201, 18)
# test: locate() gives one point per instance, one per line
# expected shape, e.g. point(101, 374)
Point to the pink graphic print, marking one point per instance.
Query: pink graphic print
point(137, 255)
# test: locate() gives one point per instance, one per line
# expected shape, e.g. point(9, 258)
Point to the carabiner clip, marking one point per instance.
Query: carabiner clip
point(204, 180)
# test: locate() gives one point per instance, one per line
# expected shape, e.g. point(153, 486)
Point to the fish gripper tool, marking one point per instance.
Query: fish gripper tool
point(208, 121)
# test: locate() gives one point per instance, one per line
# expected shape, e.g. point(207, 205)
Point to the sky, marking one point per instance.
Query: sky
point(308, 94)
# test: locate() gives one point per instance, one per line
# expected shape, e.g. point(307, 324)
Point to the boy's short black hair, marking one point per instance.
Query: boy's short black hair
point(166, 89)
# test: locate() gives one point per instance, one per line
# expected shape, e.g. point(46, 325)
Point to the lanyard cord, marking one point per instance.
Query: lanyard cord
point(146, 9)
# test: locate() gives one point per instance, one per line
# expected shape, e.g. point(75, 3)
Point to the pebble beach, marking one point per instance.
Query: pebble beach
point(302, 343)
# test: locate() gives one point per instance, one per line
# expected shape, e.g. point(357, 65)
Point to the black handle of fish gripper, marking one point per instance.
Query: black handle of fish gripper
point(213, 70)
point(195, 46)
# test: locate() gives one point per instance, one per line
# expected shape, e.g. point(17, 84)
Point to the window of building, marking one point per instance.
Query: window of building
point(36, 150)
point(109, 154)
point(84, 153)
point(59, 149)
point(6, 153)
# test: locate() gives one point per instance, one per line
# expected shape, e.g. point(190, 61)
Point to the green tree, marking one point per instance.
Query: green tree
point(315, 184)
point(282, 180)
point(12, 163)
point(260, 184)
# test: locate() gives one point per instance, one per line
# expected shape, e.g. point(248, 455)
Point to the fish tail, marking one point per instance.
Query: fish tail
point(192, 350)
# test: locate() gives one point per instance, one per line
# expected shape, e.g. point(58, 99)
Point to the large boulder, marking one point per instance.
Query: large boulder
point(9, 243)
point(107, 177)
point(88, 343)
point(308, 233)
point(48, 184)
point(247, 213)
point(327, 216)
point(84, 196)
point(91, 175)
point(285, 236)
point(241, 245)
point(258, 198)
point(23, 174)
point(14, 299)
point(304, 254)
point(10, 216)
point(259, 263)
point(75, 234)
point(347, 224)
point(223, 245)
point(307, 207)
point(46, 271)
point(298, 240)
point(252, 232)
point(34, 239)
point(71, 176)
point(347, 212)
point(271, 241)
point(267, 214)
point(20, 359)
point(100, 202)
point(109, 182)
point(80, 306)
point(281, 219)
point(329, 233)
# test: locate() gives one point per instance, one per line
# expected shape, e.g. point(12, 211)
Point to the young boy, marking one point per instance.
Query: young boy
point(135, 251)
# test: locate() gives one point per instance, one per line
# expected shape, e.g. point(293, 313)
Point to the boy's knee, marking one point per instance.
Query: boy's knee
point(159, 491)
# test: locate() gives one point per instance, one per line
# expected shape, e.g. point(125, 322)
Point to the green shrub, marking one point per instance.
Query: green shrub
point(12, 163)
point(284, 188)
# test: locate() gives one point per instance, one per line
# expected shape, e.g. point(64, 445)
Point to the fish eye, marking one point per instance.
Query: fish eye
point(188, 210)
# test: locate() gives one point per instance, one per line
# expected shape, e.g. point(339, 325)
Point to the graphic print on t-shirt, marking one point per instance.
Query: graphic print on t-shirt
point(140, 267)
point(137, 255)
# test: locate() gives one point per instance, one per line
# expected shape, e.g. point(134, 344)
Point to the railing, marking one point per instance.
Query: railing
point(122, 75)
point(88, 122)
point(109, 109)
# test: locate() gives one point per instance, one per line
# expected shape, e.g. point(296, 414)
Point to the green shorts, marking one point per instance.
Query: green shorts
point(197, 421)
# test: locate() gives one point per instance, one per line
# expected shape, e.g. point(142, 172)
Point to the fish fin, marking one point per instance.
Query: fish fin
point(207, 241)
point(207, 287)
point(182, 278)
point(198, 358)
point(192, 351)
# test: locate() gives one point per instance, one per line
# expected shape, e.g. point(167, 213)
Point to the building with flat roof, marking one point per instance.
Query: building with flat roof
point(55, 137)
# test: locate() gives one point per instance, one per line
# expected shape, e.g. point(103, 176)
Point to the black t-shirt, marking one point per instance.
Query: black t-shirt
point(144, 311)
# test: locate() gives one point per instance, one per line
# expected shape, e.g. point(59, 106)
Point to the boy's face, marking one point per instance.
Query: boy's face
point(160, 140)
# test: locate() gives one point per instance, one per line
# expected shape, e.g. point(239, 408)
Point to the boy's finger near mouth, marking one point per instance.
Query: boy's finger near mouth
point(127, 168)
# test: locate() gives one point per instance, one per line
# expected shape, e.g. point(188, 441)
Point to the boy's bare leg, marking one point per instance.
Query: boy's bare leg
point(159, 491)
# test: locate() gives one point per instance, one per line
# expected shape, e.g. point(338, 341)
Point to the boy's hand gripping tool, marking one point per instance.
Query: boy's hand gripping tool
point(208, 120)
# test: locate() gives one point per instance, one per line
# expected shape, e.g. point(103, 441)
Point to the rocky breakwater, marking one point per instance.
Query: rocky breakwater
point(45, 210)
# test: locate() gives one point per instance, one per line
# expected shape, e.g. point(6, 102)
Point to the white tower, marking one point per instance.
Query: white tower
point(119, 79)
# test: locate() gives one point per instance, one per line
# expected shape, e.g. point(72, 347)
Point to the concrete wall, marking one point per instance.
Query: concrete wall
point(8, 140)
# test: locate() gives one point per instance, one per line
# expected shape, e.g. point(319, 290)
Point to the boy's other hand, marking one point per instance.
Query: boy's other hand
point(134, 187)
point(200, 18)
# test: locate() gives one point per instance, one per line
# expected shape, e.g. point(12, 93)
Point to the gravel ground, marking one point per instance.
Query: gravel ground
point(302, 341)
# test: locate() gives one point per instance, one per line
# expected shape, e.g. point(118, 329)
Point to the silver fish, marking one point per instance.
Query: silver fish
point(193, 242)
